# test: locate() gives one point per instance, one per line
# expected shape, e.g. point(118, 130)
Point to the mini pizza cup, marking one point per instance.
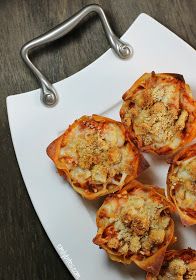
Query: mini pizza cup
point(135, 225)
point(96, 156)
point(160, 113)
point(181, 184)
point(177, 265)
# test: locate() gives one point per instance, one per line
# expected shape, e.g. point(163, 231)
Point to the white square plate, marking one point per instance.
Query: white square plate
point(69, 220)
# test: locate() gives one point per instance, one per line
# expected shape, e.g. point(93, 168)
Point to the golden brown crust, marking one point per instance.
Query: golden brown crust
point(160, 113)
point(176, 184)
point(83, 160)
point(118, 227)
point(188, 258)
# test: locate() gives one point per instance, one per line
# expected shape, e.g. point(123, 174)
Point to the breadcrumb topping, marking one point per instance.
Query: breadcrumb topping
point(97, 154)
point(183, 182)
point(140, 227)
point(158, 118)
point(177, 269)
point(154, 112)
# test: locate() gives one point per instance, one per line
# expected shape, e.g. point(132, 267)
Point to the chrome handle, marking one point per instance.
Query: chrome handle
point(49, 95)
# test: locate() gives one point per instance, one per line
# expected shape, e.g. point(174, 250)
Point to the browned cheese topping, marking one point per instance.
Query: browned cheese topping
point(97, 153)
point(155, 113)
point(183, 181)
point(140, 225)
point(177, 269)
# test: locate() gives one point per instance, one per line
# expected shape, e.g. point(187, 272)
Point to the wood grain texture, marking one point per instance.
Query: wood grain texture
point(25, 251)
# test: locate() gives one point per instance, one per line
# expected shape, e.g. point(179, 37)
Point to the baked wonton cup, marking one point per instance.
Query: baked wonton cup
point(134, 225)
point(160, 113)
point(96, 156)
point(181, 184)
point(177, 265)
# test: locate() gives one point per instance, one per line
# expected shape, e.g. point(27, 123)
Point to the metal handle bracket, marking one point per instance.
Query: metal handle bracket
point(49, 95)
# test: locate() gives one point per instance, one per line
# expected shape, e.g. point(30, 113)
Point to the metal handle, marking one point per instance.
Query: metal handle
point(49, 95)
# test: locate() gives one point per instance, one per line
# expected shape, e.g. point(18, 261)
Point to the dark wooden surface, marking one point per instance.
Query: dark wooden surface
point(25, 251)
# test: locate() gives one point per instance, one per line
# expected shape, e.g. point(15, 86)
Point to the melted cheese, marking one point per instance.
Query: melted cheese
point(98, 153)
point(177, 269)
point(140, 223)
point(114, 135)
point(155, 113)
point(184, 177)
point(80, 175)
point(157, 120)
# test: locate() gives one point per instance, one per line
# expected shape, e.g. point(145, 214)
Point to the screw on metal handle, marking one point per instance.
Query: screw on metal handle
point(49, 95)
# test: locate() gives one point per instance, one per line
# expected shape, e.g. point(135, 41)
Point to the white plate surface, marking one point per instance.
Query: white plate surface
point(69, 220)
